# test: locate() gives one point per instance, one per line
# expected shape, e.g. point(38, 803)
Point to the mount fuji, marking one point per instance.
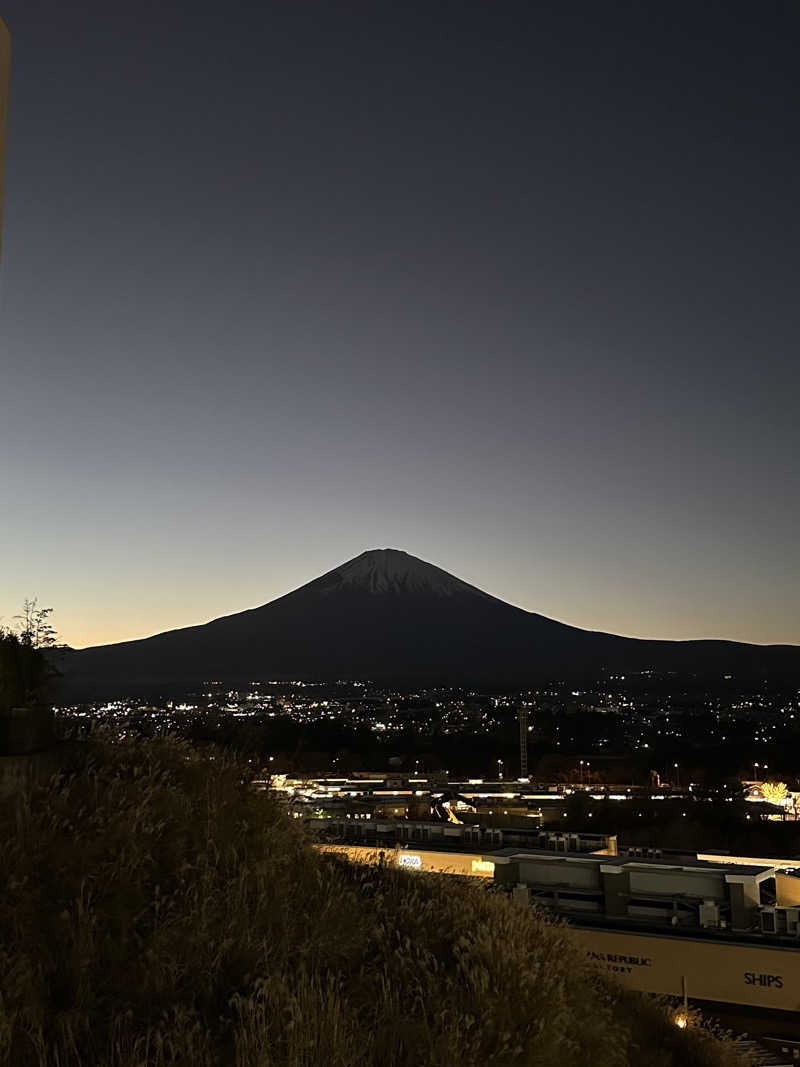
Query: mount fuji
point(387, 615)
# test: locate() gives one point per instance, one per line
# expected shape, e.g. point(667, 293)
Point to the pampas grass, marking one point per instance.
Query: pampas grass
point(155, 910)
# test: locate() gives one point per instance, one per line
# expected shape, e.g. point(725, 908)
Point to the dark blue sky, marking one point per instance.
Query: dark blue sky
point(510, 286)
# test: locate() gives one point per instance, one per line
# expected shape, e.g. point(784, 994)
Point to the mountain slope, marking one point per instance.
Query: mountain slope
point(388, 615)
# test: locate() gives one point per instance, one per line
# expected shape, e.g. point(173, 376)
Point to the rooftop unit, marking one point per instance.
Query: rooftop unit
point(779, 919)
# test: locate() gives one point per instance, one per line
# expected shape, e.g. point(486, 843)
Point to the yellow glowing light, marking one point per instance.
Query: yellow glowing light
point(681, 1021)
point(482, 867)
point(774, 791)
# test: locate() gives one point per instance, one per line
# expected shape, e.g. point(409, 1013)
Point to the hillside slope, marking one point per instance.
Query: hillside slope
point(154, 909)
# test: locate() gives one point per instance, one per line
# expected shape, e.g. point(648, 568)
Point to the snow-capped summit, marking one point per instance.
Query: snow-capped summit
point(388, 570)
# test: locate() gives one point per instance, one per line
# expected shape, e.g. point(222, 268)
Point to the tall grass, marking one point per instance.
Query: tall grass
point(154, 910)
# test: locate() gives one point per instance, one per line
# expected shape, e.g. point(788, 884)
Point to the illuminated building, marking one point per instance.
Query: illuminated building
point(693, 894)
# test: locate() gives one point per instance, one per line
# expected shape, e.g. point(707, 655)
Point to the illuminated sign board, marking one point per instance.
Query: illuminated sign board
point(761, 975)
point(482, 867)
point(411, 861)
point(5, 73)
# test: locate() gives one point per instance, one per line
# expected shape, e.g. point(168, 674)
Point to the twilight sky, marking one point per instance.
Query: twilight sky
point(513, 287)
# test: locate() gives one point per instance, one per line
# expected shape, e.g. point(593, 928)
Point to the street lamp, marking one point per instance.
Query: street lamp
point(677, 776)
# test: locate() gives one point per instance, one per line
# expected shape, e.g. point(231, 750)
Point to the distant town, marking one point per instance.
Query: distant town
point(644, 757)
point(658, 815)
point(641, 729)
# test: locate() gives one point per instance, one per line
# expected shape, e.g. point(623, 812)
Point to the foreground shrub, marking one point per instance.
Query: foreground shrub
point(155, 910)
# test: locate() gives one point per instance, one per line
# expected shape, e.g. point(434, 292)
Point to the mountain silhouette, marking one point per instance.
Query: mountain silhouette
point(387, 615)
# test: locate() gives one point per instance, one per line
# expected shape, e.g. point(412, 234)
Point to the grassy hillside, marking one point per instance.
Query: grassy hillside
point(153, 910)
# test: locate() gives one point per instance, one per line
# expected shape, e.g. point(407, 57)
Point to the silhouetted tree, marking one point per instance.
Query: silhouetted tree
point(25, 668)
point(34, 627)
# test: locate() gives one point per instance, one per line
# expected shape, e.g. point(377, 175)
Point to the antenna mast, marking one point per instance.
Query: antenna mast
point(523, 740)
